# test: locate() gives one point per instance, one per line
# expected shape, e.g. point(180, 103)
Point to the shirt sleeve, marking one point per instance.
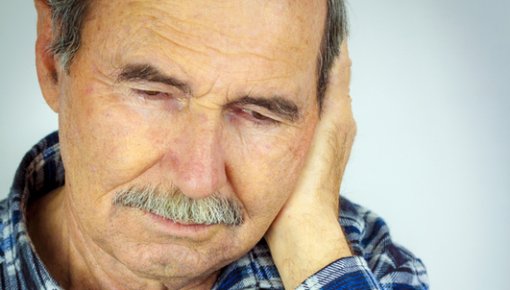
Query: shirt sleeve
point(353, 273)
point(378, 262)
point(350, 273)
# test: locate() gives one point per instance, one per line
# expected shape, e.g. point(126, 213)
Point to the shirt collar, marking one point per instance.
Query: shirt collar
point(40, 172)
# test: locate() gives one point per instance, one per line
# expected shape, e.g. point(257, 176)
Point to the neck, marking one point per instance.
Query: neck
point(77, 262)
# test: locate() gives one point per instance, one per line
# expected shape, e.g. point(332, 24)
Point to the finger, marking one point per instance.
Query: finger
point(337, 100)
point(340, 74)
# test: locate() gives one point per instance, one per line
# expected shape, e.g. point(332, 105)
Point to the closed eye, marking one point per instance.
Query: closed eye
point(255, 116)
point(152, 95)
point(276, 108)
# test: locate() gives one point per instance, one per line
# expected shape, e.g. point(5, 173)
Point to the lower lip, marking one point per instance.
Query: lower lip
point(179, 229)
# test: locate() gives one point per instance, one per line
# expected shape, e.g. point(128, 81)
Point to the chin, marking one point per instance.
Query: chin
point(177, 259)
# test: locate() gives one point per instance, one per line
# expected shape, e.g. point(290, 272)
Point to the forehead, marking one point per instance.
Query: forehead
point(252, 41)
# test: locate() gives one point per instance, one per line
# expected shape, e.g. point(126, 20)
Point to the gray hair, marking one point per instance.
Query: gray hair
point(68, 17)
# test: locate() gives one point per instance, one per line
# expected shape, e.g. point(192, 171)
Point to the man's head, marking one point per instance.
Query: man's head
point(208, 104)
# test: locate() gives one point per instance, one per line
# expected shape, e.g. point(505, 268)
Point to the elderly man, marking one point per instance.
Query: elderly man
point(201, 145)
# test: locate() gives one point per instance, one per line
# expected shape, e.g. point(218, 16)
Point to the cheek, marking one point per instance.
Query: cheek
point(105, 143)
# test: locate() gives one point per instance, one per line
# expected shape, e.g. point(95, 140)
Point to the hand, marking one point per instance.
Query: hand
point(306, 235)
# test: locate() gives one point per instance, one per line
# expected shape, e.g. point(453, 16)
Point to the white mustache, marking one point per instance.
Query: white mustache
point(176, 206)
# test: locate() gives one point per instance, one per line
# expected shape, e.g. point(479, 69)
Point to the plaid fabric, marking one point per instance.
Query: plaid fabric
point(378, 262)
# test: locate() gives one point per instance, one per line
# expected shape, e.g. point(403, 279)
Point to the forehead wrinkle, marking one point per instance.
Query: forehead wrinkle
point(171, 15)
point(283, 73)
point(187, 33)
point(159, 20)
point(175, 42)
point(211, 52)
point(206, 49)
point(189, 28)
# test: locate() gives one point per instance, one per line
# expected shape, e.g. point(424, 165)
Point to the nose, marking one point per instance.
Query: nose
point(196, 158)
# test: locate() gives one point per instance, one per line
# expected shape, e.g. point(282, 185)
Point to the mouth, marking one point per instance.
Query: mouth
point(178, 228)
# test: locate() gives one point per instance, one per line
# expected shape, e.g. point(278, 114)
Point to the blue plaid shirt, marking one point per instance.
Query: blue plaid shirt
point(378, 263)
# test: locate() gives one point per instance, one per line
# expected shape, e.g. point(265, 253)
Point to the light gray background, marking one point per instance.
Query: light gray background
point(431, 98)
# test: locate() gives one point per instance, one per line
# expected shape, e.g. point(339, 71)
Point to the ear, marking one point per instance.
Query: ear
point(48, 69)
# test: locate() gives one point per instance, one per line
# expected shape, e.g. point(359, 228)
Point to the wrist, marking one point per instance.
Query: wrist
point(303, 247)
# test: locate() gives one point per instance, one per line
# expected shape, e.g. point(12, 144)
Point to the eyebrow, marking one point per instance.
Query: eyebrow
point(148, 73)
point(276, 104)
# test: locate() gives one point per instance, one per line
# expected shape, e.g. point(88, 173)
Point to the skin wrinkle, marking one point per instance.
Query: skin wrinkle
point(208, 49)
point(191, 33)
point(272, 78)
point(210, 88)
point(161, 29)
point(75, 248)
point(176, 43)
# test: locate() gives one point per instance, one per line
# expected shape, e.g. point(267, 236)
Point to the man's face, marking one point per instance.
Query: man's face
point(205, 96)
